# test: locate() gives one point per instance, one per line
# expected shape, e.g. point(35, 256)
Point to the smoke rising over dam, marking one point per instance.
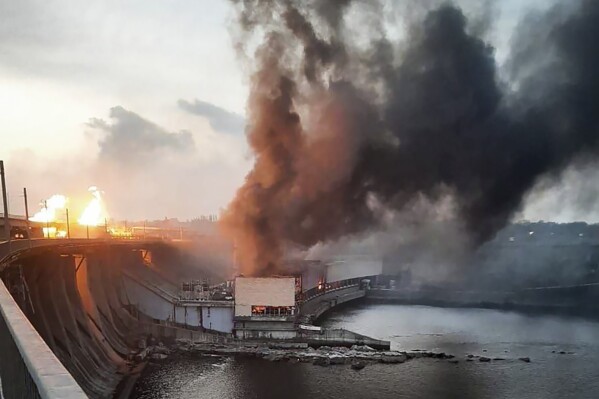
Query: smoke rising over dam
point(347, 122)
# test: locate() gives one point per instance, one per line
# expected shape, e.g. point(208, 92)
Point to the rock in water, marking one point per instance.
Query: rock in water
point(525, 359)
point(392, 359)
point(337, 360)
point(363, 348)
point(321, 361)
point(358, 365)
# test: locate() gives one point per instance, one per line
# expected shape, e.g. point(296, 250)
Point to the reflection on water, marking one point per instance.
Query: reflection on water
point(460, 332)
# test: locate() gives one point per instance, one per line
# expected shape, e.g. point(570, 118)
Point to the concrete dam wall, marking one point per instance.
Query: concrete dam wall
point(81, 303)
point(78, 306)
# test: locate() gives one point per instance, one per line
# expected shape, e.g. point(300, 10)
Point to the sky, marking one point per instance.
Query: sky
point(146, 100)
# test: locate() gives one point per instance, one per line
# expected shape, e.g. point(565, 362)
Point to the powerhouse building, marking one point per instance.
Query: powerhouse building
point(265, 307)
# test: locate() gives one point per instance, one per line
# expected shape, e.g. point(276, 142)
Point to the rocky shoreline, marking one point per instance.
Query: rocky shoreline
point(357, 356)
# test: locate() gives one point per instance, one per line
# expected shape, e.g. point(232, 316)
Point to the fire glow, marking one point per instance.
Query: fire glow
point(49, 209)
point(93, 214)
point(54, 210)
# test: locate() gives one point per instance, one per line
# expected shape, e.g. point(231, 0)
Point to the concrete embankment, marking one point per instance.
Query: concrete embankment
point(341, 337)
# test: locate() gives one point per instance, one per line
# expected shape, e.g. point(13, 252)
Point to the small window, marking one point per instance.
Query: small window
point(273, 311)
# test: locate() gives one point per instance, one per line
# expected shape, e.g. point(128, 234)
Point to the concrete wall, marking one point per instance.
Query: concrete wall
point(188, 315)
point(75, 307)
point(161, 331)
point(317, 306)
point(148, 302)
point(28, 367)
point(79, 301)
point(264, 329)
point(194, 315)
point(270, 291)
point(219, 319)
point(341, 337)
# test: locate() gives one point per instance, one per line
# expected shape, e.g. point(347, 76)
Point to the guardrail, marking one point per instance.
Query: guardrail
point(328, 287)
point(28, 367)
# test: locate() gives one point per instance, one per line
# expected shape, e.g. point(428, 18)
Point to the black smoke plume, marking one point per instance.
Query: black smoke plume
point(337, 126)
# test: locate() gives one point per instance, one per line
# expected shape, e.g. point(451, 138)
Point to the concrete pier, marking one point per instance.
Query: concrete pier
point(341, 337)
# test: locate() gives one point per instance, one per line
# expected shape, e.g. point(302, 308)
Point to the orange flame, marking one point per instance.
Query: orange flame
point(94, 214)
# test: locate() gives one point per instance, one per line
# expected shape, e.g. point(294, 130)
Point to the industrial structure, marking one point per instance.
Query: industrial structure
point(265, 307)
point(91, 300)
point(85, 305)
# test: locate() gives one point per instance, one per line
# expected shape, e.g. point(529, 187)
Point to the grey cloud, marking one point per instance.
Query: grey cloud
point(220, 119)
point(130, 138)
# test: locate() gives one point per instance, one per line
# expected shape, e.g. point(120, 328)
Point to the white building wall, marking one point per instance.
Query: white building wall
point(353, 267)
point(263, 291)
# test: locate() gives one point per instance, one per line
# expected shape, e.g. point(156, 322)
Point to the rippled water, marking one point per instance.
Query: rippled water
point(460, 332)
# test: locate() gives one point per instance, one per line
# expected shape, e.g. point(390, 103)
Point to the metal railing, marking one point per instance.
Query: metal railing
point(328, 287)
point(28, 367)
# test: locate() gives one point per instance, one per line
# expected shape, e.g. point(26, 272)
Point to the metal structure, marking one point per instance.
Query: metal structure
point(5, 203)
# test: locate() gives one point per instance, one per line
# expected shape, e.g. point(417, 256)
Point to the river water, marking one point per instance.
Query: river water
point(484, 332)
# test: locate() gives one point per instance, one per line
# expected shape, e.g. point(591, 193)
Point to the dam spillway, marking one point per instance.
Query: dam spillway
point(80, 298)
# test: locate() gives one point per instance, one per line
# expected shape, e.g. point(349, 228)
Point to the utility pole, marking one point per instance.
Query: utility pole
point(47, 221)
point(27, 216)
point(5, 201)
point(68, 226)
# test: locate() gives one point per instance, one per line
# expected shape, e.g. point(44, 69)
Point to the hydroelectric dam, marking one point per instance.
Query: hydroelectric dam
point(80, 317)
point(77, 315)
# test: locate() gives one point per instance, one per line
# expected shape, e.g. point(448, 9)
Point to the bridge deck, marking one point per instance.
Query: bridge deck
point(10, 250)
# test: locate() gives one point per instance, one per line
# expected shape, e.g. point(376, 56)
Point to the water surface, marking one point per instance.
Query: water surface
point(460, 332)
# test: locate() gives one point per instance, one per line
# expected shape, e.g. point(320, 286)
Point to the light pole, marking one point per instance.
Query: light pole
point(68, 225)
point(5, 202)
point(27, 216)
point(47, 221)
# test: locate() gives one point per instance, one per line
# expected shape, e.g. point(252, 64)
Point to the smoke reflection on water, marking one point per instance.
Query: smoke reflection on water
point(460, 332)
